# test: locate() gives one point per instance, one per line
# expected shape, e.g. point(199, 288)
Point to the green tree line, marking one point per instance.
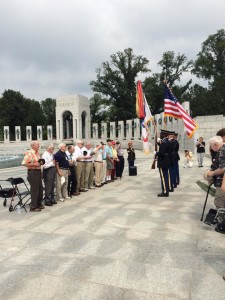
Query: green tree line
point(16, 110)
point(115, 87)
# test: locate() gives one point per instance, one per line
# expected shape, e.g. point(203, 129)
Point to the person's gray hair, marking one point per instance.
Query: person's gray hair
point(33, 143)
point(87, 143)
point(50, 146)
point(79, 142)
point(61, 145)
point(216, 140)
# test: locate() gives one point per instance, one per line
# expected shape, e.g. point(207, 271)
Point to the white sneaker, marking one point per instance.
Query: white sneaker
point(85, 190)
point(68, 198)
point(62, 199)
point(91, 188)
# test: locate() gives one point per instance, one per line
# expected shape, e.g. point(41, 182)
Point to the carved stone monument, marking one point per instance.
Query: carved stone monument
point(39, 133)
point(29, 133)
point(18, 133)
point(49, 132)
point(6, 134)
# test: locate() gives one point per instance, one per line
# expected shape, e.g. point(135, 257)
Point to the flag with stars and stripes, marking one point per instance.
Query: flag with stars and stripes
point(173, 108)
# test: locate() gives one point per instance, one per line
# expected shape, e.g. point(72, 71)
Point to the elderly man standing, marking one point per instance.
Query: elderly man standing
point(62, 168)
point(72, 182)
point(79, 157)
point(32, 162)
point(49, 173)
point(88, 167)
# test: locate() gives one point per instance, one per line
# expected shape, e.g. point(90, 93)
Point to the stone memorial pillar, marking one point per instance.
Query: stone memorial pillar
point(39, 133)
point(136, 129)
point(18, 134)
point(128, 128)
point(6, 134)
point(120, 131)
point(112, 128)
point(95, 131)
point(29, 133)
point(49, 132)
point(103, 131)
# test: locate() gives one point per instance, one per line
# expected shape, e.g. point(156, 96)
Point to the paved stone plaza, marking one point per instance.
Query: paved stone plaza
point(116, 242)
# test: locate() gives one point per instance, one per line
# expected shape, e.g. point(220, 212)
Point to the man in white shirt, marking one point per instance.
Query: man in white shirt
point(49, 173)
point(98, 162)
point(72, 176)
point(88, 167)
point(79, 157)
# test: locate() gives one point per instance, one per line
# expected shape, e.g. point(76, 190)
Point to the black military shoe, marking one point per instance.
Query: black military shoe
point(163, 195)
point(172, 190)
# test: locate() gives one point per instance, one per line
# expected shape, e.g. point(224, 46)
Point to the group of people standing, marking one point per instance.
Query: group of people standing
point(167, 162)
point(73, 169)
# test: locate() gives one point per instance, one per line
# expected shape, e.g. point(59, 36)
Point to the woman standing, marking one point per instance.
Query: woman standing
point(200, 151)
point(131, 154)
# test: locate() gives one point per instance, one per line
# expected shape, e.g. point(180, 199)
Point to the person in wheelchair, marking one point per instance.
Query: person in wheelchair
point(217, 172)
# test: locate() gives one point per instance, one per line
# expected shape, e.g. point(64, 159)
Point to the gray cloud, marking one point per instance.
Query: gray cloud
point(52, 47)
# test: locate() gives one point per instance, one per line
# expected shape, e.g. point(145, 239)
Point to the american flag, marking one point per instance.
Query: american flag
point(173, 108)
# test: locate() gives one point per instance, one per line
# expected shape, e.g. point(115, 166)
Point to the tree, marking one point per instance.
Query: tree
point(99, 109)
point(12, 110)
point(116, 81)
point(210, 65)
point(48, 108)
point(173, 68)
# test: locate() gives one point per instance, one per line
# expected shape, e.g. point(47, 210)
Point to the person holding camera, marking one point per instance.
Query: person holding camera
point(200, 151)
point(33, 163)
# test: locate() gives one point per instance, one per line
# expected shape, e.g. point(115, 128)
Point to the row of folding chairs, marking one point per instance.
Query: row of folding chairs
point(18, 193)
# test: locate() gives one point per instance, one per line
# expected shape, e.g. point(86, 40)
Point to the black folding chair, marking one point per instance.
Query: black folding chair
point(21, 191)
point(7, 193)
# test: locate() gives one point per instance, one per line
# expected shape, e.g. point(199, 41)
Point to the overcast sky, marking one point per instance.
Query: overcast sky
point(50, 48)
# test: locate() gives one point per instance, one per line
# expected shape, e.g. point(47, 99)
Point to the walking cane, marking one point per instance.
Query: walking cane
point(205, 201)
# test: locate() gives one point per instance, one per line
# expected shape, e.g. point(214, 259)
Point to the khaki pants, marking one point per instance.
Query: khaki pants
point(98, 173)
point(61, 190)
point(103, 171)
point(219, 200)
point(80, 175)
point(88, 174)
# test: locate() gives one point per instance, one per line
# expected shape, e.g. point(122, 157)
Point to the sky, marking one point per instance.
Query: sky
point(51, 48)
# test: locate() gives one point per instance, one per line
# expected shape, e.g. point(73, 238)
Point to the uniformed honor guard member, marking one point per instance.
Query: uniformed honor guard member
point(164, 163)
point(177, 158)
point(172, 177)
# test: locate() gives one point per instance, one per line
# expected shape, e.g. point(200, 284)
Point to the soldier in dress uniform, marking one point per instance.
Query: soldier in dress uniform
point(172, 161)
point(177, 158)
point(164, 163)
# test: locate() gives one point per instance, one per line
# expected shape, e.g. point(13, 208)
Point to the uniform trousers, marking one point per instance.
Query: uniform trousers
point(49, 180)
point(61, 190)
point(177, 173)
point(164, 176)
point(172, 177)
point(36, 188)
